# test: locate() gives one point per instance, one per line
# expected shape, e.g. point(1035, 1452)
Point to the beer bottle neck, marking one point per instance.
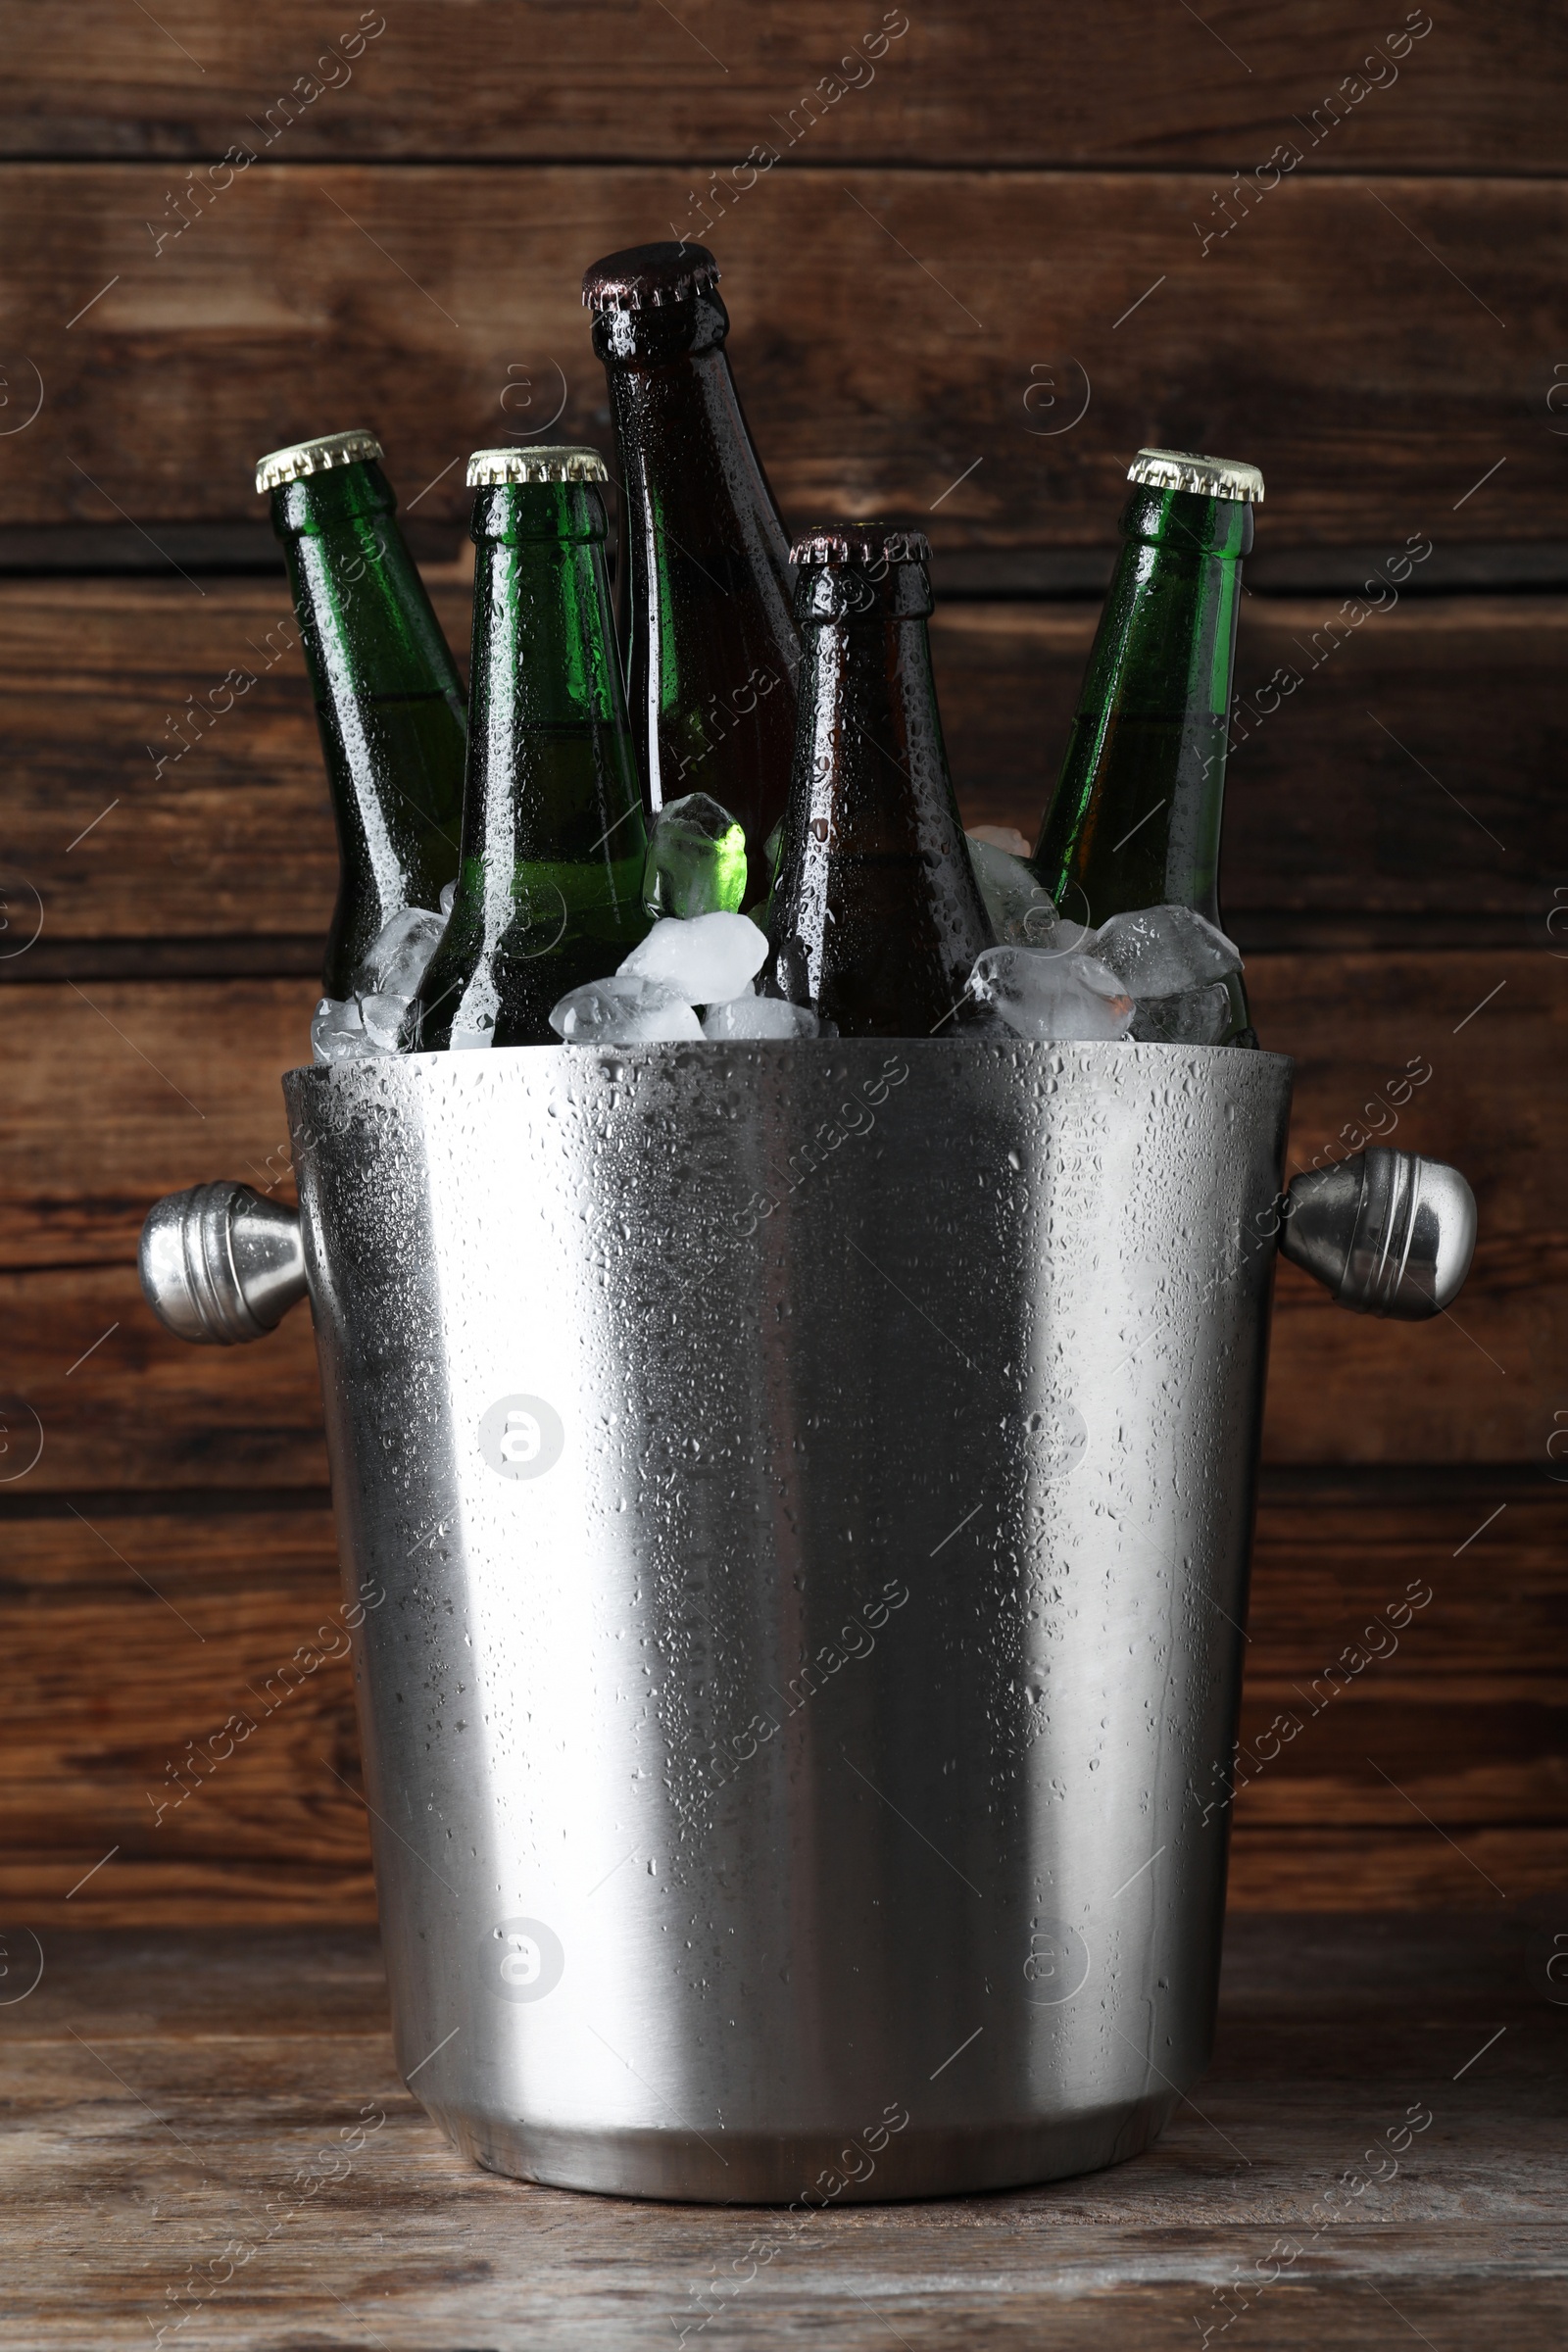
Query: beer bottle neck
point(389, 702)
point(696, 498)
point(876, 918)
point(545, 687)
point(689, 467)
point(364, 618)
point(1135, 819)
point(549, 891)
point(879, 756)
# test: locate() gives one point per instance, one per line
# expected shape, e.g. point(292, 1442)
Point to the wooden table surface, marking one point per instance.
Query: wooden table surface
point(207, 2138)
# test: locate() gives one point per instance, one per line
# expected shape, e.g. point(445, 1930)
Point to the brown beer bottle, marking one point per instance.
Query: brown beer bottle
point(703, 583)
point(876, 917)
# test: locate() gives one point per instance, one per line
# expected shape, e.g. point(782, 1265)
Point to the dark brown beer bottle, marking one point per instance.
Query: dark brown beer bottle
point(876, 918)
point(703, 578)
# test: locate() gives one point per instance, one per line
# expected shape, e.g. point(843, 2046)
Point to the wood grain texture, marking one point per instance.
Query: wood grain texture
point(1354, 1759)
point(178, 2090)
point(103, 1396)
point(174, 1693)
point(202, 1553)
point(176, 1697)
point(1284, 1866)
point(233, 1745)
point(1433, 735)
point(170, 1083)
point(889, 327)
point(1128, 83)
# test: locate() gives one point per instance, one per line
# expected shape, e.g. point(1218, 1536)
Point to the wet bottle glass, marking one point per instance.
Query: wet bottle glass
point(704, 581)
point(550, 887)
point(876, 918)
point(1134, 818)
point(389, 702)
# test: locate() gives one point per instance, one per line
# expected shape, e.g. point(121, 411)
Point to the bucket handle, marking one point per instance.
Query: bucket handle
point(220, 1264)
point(1386, 1231)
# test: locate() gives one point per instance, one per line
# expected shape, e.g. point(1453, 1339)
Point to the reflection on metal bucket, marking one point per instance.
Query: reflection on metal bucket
point(812, 1489)
point(813, 1493)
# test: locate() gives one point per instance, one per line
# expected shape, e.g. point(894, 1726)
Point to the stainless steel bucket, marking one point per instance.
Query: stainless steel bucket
point(799, 1499)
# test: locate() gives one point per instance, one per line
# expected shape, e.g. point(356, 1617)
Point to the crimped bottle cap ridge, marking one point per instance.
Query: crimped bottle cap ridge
point(864, 546)
point(642, 277)
point(536, 462)
point(303, 458)
point(1208, 477)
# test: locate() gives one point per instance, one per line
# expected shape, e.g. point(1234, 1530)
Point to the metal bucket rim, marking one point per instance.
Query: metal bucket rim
point(652, 1054)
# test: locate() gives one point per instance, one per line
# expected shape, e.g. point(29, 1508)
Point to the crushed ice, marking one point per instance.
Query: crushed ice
point(1158, 974)
point(357, 1028)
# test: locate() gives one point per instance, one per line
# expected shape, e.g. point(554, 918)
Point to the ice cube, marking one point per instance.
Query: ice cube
point(705, 961)
point(696, 862)
point(1001, 837)
point(1020, 911)
point(382, 1016)
point(448, 891)
point(1089, 972)
point(1195, 1016)
point(394, 963)
point(1070, 935)
point(1164, 950)
point(1041, 994)
point(627, 1010)
point(760, 1016)
point(337, 1032)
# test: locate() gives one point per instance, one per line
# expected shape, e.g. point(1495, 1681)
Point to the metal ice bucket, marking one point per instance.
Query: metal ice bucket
point(799, 1499)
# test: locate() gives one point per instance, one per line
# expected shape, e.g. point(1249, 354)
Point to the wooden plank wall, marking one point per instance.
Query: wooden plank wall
point(971, 266)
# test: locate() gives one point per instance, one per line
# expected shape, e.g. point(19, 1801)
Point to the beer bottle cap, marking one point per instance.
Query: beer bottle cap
point(867, 546)
point(540, 462)
point(644, 277)
point(315, 457)
point(1209, 477)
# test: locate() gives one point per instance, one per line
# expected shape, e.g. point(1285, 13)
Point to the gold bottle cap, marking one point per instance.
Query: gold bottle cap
point(1209, 477)
point(540, 462)
point(315, 457)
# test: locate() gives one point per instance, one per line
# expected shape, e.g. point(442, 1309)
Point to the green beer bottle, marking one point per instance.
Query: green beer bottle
point(389, 701)
point(876, 918)
point(1134, 818)
point(549, 886)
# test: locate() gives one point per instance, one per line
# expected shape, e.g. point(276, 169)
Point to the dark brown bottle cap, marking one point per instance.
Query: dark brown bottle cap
point(863, 546)
point(644, 277)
